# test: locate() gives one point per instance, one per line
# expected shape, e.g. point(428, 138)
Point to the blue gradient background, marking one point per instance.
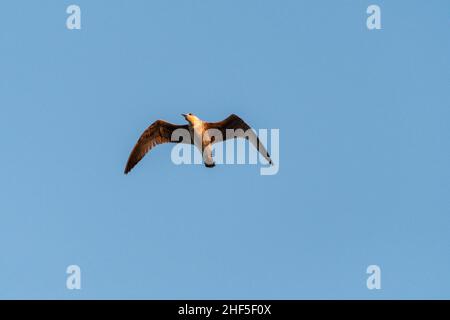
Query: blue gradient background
point(364, 169)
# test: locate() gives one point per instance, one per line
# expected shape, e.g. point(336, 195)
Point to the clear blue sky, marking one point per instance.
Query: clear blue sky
point(364, 170)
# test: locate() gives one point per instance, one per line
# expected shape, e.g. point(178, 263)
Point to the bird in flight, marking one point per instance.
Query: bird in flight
point(198, 131)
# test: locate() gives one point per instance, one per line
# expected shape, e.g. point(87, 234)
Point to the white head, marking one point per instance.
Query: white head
point(192, 119)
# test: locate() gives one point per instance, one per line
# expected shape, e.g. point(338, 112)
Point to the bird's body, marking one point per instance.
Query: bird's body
point(199, 132)
point(202, 134)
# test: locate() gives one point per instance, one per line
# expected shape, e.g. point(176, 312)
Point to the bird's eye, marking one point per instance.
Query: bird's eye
point(190, 114)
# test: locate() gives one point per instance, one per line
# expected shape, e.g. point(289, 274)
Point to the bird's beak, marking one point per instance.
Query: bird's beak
point(184, 115)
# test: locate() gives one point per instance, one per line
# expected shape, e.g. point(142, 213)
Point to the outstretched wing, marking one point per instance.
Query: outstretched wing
point(159, 132)
point(242, 130)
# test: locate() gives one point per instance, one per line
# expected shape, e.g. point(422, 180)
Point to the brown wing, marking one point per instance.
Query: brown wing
point(159, 132)
point(236, 123)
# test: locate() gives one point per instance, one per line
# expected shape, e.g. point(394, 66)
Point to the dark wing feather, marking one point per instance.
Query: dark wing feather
point(157, 133)
point(235, 123)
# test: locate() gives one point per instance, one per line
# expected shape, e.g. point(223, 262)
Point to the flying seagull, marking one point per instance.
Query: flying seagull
point(161, 132)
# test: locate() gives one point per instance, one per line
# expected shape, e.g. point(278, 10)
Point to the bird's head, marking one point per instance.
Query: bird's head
point(192, 119)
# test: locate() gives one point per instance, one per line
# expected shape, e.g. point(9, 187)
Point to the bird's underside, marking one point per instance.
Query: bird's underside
point(162, 132)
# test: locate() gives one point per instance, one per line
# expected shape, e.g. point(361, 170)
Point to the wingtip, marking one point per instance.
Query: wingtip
point(270, 160)
point(128, 168)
